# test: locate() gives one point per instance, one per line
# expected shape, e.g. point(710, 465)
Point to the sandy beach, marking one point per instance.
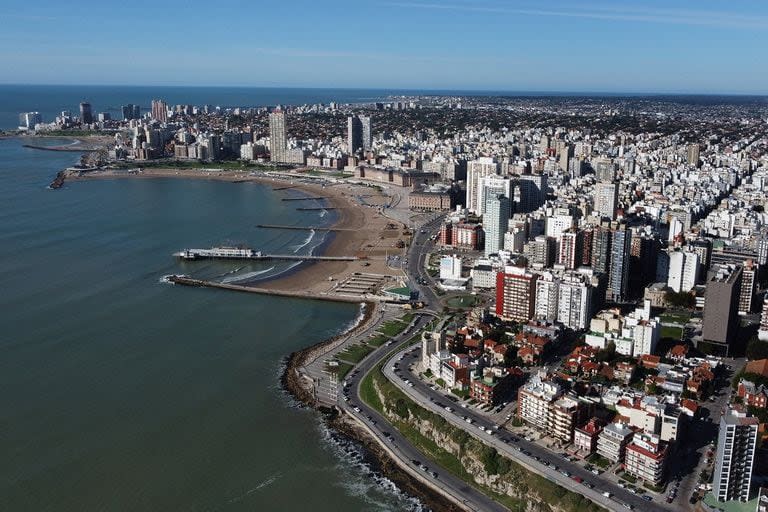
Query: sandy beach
point(361, 230)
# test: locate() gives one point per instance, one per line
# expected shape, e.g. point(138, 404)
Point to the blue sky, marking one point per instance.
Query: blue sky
point(704, 46)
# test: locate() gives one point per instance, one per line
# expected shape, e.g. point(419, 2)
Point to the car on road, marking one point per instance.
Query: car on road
point(647, 498)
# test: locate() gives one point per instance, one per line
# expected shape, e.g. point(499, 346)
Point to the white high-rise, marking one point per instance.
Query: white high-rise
point(476, 171)
point(736, 445)
point(490, 185)
point(606, 199)
point(547, 289)
point(683, 271)
point(574, 301)
point(496, 222)
point(278, 139)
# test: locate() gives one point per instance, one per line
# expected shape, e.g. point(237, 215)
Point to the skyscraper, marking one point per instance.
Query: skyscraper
point(618, 271)
point(721, 304)
point(493, 185)
point(693, 154)
point(160, 111)
point(86, 113)
point(736, 445)
point(278, 140)
point(476, 171)
point(606, 199)
point(533, 192)
point(569, 253)
point(365, 121)
point(495, 222)
point(354, 134)
point(683, 270)
point(601, 249)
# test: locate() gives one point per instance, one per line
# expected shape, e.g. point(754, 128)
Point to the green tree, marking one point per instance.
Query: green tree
point(757, 349)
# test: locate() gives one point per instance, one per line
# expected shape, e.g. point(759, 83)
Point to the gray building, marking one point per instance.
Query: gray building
point(86, 113)
point(618, 270)
point(736, 445)
point(495, 222)
point(721, 304)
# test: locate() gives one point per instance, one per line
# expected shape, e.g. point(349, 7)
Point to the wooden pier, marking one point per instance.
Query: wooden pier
point(247, 254)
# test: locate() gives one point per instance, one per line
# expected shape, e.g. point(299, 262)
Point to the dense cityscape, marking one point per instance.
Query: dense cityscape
point(582, 281)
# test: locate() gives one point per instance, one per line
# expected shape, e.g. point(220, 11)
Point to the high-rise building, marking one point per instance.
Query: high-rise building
point(354, 135)
point(601, 249)
point(571, 244)
point(618, 271)
point(159, 111)
point(736, 445)
point(278, 138)
point(28, 120)
point(367, 135)
point(606, 199)
point(533, 192)
point(127, 111)
point(495, 222)
point(694, 153)
point(493, 185)
point(547, 292)
point(476, 171)
point(86, 113)
point(683, 270)
point(574, 301)
point(721, 304)
point(605, 169)
point(762, 331)
point(515, 294)
point(748, 285)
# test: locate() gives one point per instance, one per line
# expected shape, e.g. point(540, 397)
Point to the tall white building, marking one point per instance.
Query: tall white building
point(574, 301)
point(476, 171)
point(547, 290)
point(491, 185)
point(606, 199)
point(736, 445)
point(683, 270)
point(496, 222)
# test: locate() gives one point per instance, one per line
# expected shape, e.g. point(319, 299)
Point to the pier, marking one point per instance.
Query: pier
point(332, 297)
point(303, 198)
point(237, 253)
point(318, 209)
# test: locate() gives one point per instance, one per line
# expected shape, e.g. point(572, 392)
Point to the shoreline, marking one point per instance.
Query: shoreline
point(352, 219)
point(295, 384)
point(354, 231)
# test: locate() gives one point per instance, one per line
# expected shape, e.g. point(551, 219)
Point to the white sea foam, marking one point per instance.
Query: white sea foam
point(297, 248)
point(269, 481)
point(247, 276)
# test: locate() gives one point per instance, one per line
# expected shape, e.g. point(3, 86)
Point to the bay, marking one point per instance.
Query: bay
point(120, 392)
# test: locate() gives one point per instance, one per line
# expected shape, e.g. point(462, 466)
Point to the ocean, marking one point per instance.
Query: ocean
point(121, 392)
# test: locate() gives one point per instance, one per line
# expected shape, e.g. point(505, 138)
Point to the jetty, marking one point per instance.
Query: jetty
point(244, 253)
point(332, 297)
point(304, 198)
point(318, 209)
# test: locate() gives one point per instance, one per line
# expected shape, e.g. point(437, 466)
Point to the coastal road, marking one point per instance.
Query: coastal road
point(400, 447)
point(534, 457)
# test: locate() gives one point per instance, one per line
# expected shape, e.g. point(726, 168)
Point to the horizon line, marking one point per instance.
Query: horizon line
point(548, 92)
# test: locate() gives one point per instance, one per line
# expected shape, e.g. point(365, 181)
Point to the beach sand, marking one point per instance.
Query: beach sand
point(363, 231)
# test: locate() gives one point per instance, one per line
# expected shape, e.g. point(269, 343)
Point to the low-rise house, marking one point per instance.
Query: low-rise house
point(752, 394)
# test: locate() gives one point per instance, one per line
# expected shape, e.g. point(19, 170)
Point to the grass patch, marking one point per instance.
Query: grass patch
point(675, 333)
point(629, 478)
point(675, 318)
point(461, 393)
point(599, 461)
point(392, 328)
point(355, 353)
point(378, 340)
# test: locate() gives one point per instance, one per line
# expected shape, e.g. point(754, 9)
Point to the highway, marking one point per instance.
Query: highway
point(530, 455)
point(400, 447)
